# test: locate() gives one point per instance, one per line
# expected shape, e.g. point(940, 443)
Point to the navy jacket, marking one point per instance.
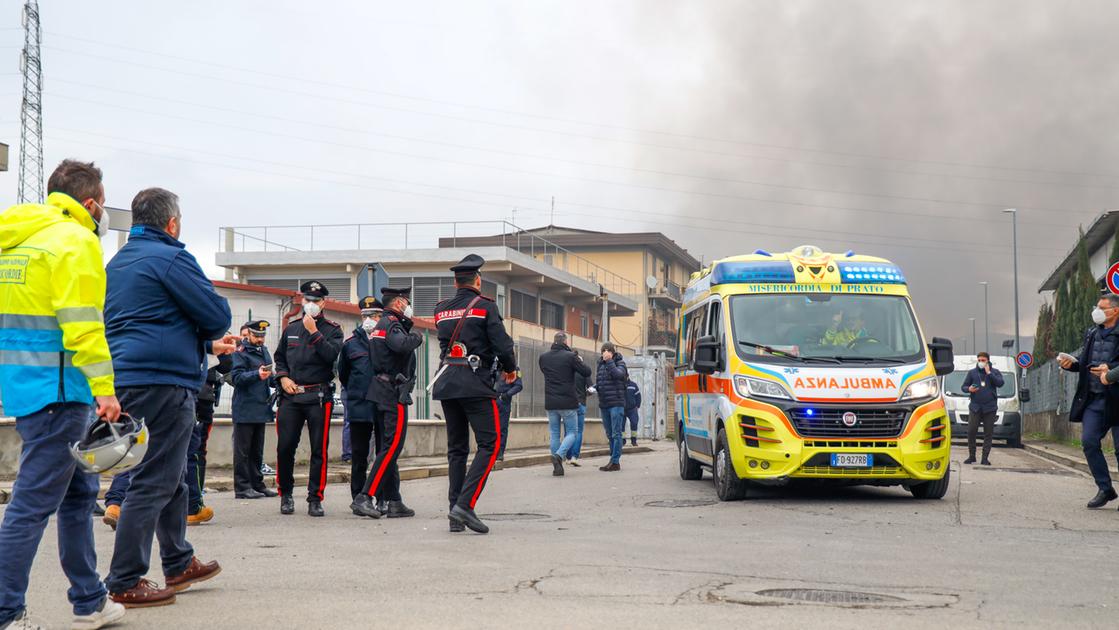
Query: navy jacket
point(506, 391)
point(393, 350)
point(1095, 335)
point(633, 395)
point(355, 372)
point(610, 381)
point(251, 395)
point(986, 400)
point(559, 365)
point(160, 309)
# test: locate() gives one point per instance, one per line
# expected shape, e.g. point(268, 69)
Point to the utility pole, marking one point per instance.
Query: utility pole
point(974, 340)
point(552, 220)
point(1013, 212)
point(31, 111)
point(986, 318)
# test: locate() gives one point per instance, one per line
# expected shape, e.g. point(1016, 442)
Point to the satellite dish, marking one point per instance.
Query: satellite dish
point(651, 282)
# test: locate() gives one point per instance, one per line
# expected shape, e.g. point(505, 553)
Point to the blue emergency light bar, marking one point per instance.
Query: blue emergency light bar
point(870, 273)
point(782, 272)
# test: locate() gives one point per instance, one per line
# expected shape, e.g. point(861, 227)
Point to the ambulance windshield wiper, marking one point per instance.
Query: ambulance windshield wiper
point(868, 359)
point(788, 355)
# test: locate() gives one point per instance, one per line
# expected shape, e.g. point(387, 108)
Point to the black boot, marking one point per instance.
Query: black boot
point(266, 491)
point(287, 505)
point(970, 459)
point(382, 506)
point(363, 506)
point(557, 465)
point(467, 517)
point(456, 526)
point(397, 509)
point(314, 508)
point(1102, 498)
point(248, 494)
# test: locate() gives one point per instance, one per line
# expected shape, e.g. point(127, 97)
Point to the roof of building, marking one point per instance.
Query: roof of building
point(1097, 235)
point(575, 238)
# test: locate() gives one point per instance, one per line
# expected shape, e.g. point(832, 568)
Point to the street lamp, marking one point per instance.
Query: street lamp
point(1014, 223)
point(986, 319)
point(973, 338)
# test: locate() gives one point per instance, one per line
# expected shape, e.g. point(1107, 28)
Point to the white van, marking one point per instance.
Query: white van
point(1008, 424)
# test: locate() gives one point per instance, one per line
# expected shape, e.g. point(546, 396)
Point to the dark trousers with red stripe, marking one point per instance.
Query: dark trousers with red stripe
point(464, 415)
point(289, 428)
point(383, 480)
point(363, 436)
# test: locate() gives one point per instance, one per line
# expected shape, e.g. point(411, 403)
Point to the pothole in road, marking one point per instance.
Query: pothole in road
point(823, 596)
point(680, 503)
point(515, 516)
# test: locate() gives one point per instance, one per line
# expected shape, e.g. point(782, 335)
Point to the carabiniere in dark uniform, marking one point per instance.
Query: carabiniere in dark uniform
point(305, 367)
point(471, 337)
point(393, 351)
point(355, 372)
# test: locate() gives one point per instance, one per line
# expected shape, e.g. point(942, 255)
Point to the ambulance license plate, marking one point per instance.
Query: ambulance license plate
point(852, 460)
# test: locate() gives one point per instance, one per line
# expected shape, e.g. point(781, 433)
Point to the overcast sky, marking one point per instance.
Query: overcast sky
point(893, 128)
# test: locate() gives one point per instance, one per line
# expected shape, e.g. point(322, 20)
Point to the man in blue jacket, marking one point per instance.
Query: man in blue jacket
point(162, 315)
point(633, 412)
point(355, 372)
point(610, 382)
point(982, 383)
point(252, 409)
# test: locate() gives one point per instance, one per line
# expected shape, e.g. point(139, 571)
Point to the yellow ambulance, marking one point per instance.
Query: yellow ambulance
point(809, 365)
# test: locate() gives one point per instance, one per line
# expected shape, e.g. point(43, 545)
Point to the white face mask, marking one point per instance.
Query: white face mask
point(103, 224)
point(1098, 315)
point(312, 309)
point(407, 312)
point(368, 325)
point(982, 365)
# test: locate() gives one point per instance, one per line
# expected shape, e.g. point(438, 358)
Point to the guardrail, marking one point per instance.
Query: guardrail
point(415, 234)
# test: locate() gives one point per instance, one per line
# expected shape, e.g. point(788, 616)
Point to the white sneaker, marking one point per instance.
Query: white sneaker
point(574, 461)
point(23, 622)
point(108, 613)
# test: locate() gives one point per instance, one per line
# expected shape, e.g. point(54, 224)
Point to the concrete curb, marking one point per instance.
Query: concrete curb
point(225, 484)
point(1055, 456)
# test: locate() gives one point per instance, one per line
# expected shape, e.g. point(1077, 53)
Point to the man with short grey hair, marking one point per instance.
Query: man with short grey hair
point(162, 316)
point(1096, 404)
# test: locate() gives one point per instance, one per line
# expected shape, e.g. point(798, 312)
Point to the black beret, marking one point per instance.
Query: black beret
point(313, 288)
point(389, 293)
point(471, 264)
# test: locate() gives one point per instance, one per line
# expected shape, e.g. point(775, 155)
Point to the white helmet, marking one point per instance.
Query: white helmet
point(111, 447)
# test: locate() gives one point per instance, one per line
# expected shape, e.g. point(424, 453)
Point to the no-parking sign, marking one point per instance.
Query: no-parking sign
point(1113, 278)
point(1024, 360)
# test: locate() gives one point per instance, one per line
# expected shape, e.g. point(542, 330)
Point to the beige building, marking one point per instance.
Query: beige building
point(654, 267)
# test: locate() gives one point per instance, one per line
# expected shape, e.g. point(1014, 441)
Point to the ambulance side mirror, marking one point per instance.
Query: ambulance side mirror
point(943, 360)
point(707, 355)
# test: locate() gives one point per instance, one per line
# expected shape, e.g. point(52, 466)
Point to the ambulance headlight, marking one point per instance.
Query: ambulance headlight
point(925, 388)
point(748, 387)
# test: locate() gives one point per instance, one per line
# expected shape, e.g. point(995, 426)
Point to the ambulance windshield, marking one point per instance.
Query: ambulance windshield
point(836, 328)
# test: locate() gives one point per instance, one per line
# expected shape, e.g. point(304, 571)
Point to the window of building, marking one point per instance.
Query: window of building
point(523, 306)
point(583, 324)
point(551, 314)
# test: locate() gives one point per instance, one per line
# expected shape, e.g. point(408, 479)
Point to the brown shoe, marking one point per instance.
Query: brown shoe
point(195, 572)
point(146, 594)
point(610, 467)
point(112, 515)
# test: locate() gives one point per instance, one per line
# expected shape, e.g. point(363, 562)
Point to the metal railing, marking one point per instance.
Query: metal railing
point(670, 290)
point(416, 234)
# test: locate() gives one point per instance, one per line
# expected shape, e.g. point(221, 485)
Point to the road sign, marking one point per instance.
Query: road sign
point(1024, 360)
point(1113, 277)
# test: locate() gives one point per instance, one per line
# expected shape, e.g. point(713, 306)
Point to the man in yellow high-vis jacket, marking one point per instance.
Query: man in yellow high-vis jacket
point(56, 376)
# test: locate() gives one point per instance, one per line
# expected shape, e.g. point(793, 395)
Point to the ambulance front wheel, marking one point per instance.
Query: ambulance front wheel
point(728, 486)
point(690, 470)
point(932, 489)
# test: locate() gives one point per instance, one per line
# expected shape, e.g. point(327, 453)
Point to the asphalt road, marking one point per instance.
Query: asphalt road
point(1010, 546)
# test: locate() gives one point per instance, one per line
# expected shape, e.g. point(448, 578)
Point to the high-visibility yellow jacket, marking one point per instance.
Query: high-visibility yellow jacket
point(52, 294)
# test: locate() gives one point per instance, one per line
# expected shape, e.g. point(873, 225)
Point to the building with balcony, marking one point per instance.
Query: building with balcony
point(536, 296)
point(654, 264)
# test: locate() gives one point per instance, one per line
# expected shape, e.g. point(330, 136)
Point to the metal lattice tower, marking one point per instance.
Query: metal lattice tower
point(31, 115)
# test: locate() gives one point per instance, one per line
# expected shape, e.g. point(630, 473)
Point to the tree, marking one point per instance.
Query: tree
point(1062, 326)
point(1114, 257)
point(1043, 338)
point(1086, 290)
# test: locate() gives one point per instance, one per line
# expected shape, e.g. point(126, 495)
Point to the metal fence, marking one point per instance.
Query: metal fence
point(1051, 389)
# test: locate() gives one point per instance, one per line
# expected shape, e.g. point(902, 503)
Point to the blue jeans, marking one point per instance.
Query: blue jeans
point(578, 446)
point(117, 491)
point(347, 446)
point(196, 466)
point(1094, 429)
point(49, 481)
point(613, 419)
point(570, 419)
point(156, 503)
